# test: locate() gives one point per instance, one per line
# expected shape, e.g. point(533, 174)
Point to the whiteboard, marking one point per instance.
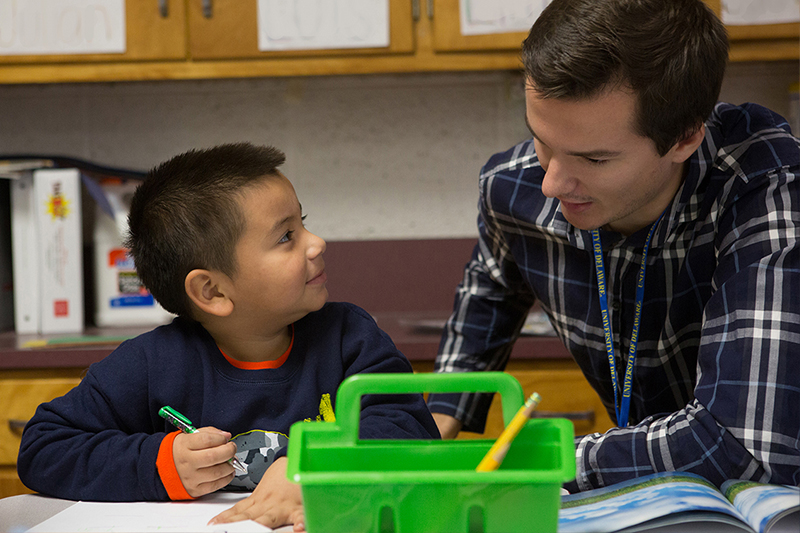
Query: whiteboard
point(738, 12)
point(42, 27)
point(481, 17)
point(322, 24)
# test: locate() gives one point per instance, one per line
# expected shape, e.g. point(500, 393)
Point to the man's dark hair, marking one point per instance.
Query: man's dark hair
point(187, 215)
point(671, 53)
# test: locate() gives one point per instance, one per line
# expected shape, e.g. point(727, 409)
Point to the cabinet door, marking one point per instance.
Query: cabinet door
point(565, 394)
point(155, 30)
point(228, 29)
point(19, 398)
point(18, 401)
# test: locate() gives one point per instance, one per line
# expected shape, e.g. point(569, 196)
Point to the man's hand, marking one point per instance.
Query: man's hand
point(448, 426)
point(201, 459)
point(275, 502)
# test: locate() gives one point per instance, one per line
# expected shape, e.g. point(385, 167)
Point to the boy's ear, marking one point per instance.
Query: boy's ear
point(208, 290)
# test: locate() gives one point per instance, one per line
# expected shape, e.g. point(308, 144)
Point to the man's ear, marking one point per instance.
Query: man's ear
point(684, 148)
point(209, 291)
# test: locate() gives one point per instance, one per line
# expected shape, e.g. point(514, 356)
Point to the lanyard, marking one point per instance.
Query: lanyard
point(622, 408)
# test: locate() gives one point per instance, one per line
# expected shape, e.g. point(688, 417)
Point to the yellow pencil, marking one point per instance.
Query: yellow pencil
point(498, 451)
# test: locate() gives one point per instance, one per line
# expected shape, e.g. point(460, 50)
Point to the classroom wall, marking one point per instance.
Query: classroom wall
point(372, 157)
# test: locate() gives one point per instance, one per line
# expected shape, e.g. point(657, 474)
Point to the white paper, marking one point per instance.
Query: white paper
point(747, 12)
point(148, 516)
point(480, 17)
point(322, 24)
point(42, 27)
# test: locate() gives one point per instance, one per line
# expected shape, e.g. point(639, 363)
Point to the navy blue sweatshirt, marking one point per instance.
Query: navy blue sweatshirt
point(101, 440)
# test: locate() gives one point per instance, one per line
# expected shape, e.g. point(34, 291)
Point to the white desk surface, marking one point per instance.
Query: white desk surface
point(21, 513)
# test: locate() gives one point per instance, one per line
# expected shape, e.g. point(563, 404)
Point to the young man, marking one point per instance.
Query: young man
point(633, 169)
point(218, 238)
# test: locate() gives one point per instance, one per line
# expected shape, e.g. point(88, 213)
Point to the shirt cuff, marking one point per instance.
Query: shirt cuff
point(165, 463)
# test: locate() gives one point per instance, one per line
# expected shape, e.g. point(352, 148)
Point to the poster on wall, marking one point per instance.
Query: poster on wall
point(482, 17)
point(322, 24)
point(747, 12)
point(46, 27)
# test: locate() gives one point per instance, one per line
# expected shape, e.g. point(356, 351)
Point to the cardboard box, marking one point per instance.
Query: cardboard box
point(57, 194)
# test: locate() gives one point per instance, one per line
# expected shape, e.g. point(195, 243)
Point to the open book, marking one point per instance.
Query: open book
point(676, 501)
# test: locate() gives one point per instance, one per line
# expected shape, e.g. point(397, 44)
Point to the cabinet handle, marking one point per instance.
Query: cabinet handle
point(415, 10)
point(587, 416)
point(163, 8)
point(16, 426)
point(430, 9)
point(208, 9)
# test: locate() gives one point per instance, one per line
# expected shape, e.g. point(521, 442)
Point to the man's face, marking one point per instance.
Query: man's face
point(603, 173)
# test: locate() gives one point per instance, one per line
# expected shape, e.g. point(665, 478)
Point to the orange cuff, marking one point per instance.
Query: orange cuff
point(165, 463)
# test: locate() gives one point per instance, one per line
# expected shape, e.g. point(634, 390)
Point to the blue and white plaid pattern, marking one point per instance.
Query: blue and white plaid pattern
point(716, 387)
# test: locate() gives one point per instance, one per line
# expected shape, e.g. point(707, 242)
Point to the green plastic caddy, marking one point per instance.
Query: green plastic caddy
point(425, 486)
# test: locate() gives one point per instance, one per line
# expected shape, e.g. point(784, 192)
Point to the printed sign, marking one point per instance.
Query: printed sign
point(747, 12)
point(481, 17)
point(42, 27)
point(322, 24)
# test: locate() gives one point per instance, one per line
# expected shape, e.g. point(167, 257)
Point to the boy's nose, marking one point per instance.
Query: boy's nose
point(317, 246)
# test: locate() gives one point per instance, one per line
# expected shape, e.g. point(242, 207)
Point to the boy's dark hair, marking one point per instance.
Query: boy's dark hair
point(187, 215)
point(672, 53)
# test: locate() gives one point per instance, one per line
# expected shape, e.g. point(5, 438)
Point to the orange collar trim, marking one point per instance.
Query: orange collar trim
point(261, 365)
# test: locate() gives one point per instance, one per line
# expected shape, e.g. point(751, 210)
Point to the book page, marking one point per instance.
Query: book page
point(148, 516)
point(678, 497)
point(766, 507)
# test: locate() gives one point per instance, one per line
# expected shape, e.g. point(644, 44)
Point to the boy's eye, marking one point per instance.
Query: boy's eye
point(286, 237)
point(596, 161)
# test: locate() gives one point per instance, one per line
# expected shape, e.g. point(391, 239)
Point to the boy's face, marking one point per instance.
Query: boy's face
point(602, 172)
point(280, 271)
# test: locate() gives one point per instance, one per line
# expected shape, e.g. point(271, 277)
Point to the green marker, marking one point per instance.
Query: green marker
point(184, 424)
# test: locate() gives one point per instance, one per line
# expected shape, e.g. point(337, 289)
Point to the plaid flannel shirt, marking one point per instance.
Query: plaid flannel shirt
point(716, 385)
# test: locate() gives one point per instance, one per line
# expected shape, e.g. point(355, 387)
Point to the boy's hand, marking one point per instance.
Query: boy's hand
point(201, 459)
point(275, 502)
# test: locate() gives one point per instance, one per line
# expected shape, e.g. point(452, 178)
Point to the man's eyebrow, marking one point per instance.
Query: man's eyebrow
point(589, 154)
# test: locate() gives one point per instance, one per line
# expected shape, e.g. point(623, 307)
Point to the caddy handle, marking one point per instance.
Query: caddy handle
point(348, 397)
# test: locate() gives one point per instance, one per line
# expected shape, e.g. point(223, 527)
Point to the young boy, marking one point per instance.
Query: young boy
point(217, 236)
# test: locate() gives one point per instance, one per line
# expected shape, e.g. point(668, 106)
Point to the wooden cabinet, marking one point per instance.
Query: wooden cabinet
point(21, 391)
point(565, 394)
point(155, 30)
point(201, 39)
